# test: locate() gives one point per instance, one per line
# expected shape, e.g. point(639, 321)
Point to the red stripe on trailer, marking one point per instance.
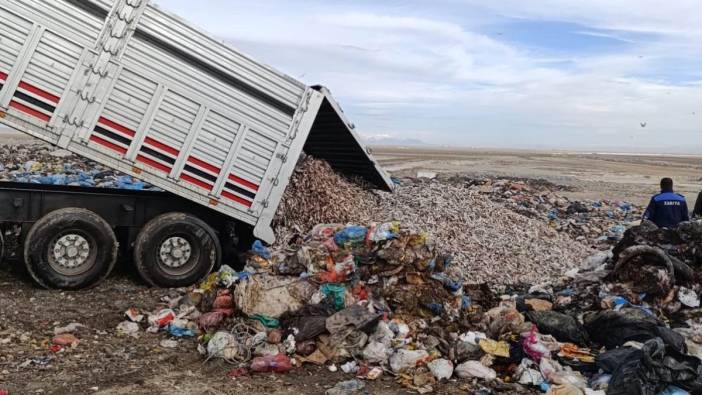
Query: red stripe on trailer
point(3, 76)
point(153, 164)
point(161, 146)
point(117, 127)
point(108, 144)
point(237, 199)
point(29, 111)
point(243, 182)
point(204, 164)
point(44, 94)
point(196, 182)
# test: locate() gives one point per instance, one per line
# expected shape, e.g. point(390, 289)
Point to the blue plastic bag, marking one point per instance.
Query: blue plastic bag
point(450, 285)
point(177, 331)
point(127, 182)
point(351, 235)
point(259, 249)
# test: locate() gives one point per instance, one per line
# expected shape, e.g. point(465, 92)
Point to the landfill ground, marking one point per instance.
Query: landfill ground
point(104, 362)
point(107, 364)
point(627, 177)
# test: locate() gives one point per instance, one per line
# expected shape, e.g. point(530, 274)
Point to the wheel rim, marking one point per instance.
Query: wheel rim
point(175, 255)
point(71, 254)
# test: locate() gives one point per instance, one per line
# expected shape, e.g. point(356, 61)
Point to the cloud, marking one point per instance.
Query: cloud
point(440, 70)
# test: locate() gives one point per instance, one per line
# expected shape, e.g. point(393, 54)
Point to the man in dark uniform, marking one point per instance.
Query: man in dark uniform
point(697, 213)
point(667, 209)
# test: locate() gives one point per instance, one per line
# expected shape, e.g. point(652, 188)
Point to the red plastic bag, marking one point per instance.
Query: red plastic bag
point(280, 363)
point(210, 320)
point(331, 277)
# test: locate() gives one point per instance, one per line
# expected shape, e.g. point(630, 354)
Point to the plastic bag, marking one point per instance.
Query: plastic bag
point(307, 322)
point(383, 232)
point(654, 368)
point(563, 327)
point(402, 360)
point(259, 249)
point(351, 236)
point(336, 293)
point(474, 369)
point(442, 369)
point(614, 328)
point(280, 363)
point(534, 348)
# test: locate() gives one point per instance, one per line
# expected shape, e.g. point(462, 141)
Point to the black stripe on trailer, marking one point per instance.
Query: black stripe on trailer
point(200, 173)
point(157, 155)
point(240, 190)
point(112, 135)
point(35, 102)
point(89, 7)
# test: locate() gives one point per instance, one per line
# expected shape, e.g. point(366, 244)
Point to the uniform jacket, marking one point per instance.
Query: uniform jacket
point(667, 210)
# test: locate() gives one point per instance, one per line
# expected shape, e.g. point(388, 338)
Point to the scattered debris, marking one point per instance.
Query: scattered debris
point(395, 304)
point(41, 164)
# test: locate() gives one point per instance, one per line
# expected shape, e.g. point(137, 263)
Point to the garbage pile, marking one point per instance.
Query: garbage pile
point(480, 231)
point(600, 223)
point(378, 301)
point(490, 243)
point(41, 164)
point(317, 194)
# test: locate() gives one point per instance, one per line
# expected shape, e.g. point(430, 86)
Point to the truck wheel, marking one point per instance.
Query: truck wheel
point(2, 246)
point(71, 248)
point(176, 250)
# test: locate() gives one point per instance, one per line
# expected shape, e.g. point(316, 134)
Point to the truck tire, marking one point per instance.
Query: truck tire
point(2, 246)
point(176, 250)
point(70, 249)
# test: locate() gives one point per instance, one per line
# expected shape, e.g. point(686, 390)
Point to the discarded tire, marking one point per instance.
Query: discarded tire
point(71, 248)
point(176, 250)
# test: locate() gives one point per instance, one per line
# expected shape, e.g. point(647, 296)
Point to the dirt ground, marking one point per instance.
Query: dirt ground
point(593, 176)
point(105, 363)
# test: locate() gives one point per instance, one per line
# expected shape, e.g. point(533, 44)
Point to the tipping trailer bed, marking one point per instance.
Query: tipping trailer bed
point(137, 89)
point(132, 87)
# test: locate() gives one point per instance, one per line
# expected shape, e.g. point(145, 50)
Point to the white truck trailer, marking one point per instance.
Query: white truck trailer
point(125, 84)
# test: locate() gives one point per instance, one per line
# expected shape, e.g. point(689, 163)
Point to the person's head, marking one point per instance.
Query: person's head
point(667, 184)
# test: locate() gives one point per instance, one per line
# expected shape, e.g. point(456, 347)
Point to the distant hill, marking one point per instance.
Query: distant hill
point(387, 140)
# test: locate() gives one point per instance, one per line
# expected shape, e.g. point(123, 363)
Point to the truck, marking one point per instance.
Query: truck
point(133, 87)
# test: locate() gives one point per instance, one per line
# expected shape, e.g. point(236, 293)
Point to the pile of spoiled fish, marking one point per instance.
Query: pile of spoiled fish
point(378, 300)
point(478, 230)
point(599, 223)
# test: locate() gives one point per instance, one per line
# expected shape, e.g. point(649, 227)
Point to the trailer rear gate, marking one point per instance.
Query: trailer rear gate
point(137, 89)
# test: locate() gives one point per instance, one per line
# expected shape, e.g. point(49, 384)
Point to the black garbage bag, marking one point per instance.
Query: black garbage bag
point(561, 326)
point(652, 369)
point(613, 329)
point(612, 360)
point(308, 322)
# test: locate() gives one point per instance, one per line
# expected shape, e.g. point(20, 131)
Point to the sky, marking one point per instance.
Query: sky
point(621, 75)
